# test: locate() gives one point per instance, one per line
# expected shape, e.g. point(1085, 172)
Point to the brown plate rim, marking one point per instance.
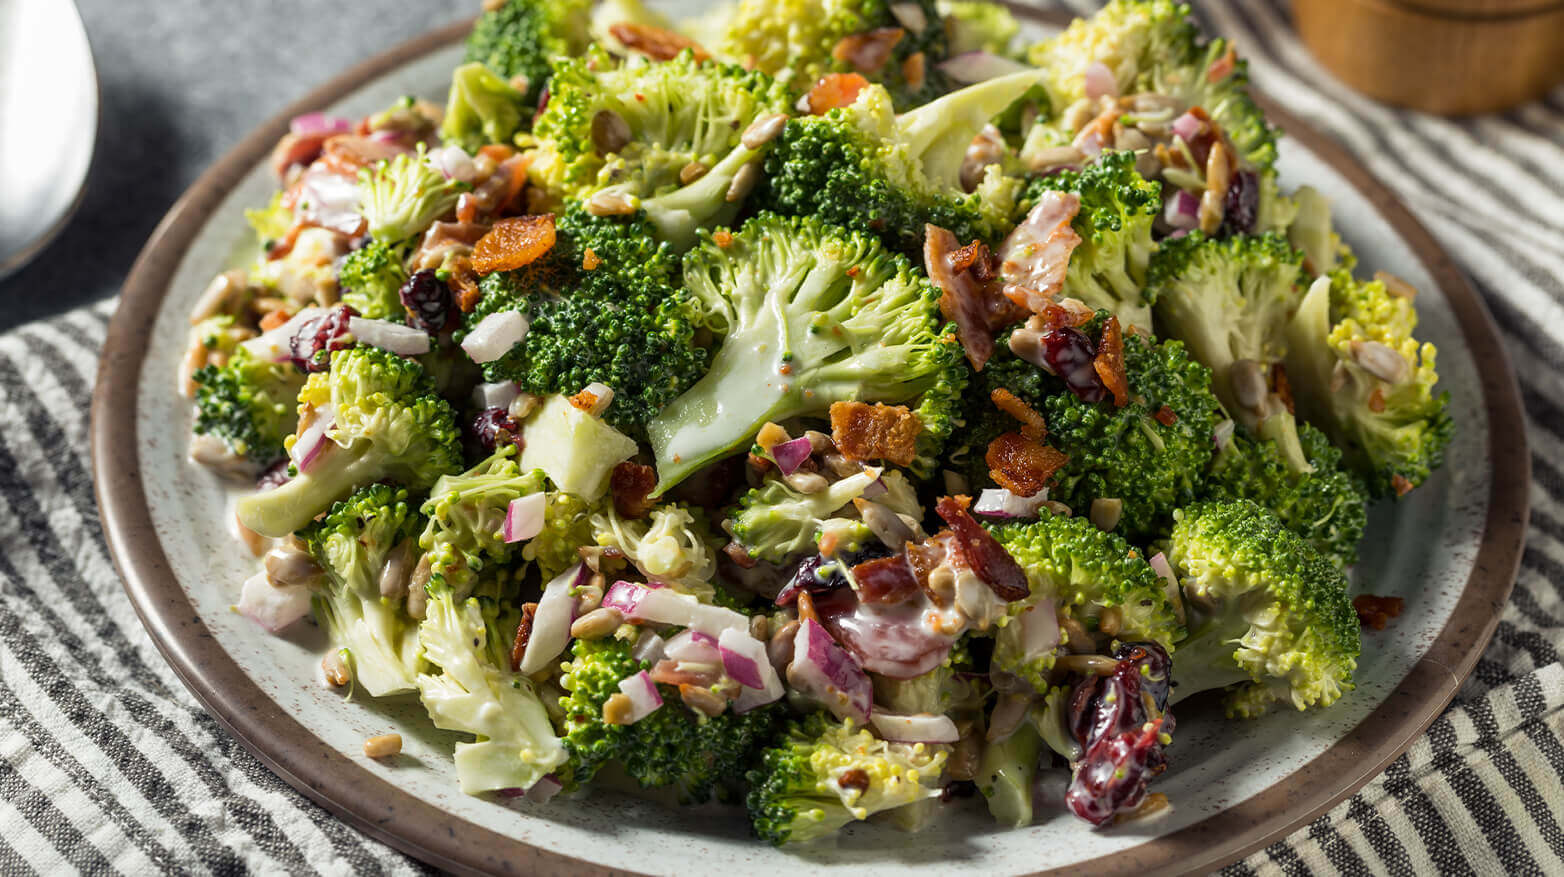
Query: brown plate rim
point(383, 811)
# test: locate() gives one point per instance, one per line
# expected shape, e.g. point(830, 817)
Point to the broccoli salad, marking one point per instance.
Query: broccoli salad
point(833, 407)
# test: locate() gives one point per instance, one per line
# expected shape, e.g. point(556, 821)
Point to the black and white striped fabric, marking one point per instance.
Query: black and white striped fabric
point(107, 763)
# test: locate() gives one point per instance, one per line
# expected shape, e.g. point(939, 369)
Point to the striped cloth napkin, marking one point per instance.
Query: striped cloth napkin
point(108, 764)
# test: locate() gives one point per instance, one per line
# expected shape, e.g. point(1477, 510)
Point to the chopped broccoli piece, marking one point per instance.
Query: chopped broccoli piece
point(775, 522)
point(576, 450)
point(353, 543)
point(672, 543)
point(370, 281)
point(466, 514)
point(404, 196)
point(249, 404)
point(482, 108)
point(1359, 375)
point(1265, 611)
point(388, 422)
point(1005, 773)
point(978, 26)
point(808, 315)
point(271, 223)
point(797, 794)
point(520, 39)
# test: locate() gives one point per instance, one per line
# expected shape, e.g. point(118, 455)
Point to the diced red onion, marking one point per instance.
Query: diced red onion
point(524, 517)
point(624, 596)
point(388, 336)
point(1188, 126)
point(494, 336)
point(692, 646)
point(825, 670)
point(643, 695)
point(273, 608)
point(551, 622)
point(1100, 81)
point(910, 16)
point(973, 67)
point(1159, 562)
point(648, 648)
point(1222, 435)
point(312, 124)
point(496, 395)
point(1039, 629)
point(996, 502)
point(272, 345)
point(1182, 210)
point(386, 135)
point(659, 605)
point(308, 445)
point(745, 648)
point(791, 454)
point(915, 728)
point(454, 163)
point(544, 789)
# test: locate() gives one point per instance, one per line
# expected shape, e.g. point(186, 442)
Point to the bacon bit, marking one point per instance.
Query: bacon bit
point(722, 238)
point(1283, 387)
point(926, 556)
point(834, 90)
point(989, 560)
point(514, 243)
point(515, 169)
point(913, 70)
point(497, 152)
point(1223, 66)
point(1110, 363)
point(667, 672)
point(464, 283)
point(875, 432)
point(868, 51)
point(466, 208)
point(347, 154)
point(1400, 484)
point(1035, 256)
point(584, 400)
point(739, 556)
point(854, 778)
point(276, 318)
point(886, 580)
point(1376, 612)
point(759, 464)
point(589, 260)
point(973, 304)
point(806, 607)
point(1022, 465)
point(853, 271)
point(1165, 416)
point(1032, 424)
point(631, 483)
point(293, 149)
point(1376, 400)
point(656, 43)
point(1097, 134)
point(970, 256)
point(529, 612)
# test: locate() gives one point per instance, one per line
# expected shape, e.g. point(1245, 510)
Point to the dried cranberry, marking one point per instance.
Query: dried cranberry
point(275, 475)
point(428, 302)
point(1114, 774)
point(958, 789)
point(1119, 732)
point(494, 427)
point(1241, 204)
point(1071, 355)
point(312, 345)
point(819, 575)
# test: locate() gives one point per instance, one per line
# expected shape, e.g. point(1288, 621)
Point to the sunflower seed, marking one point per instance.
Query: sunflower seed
point(610, 132)
point(597, 624)
point(743, 182)
point(763, 130)
point(1380, 360)
point(1105, 513)
point(610, 203)
point(1395, 286)
point(692, 172)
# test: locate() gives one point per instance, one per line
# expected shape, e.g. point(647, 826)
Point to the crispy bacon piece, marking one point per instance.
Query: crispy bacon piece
point(886, 580)
point(529, 611)
point(834, 90)
point(1223, 66)
point(1376, 612)
point(1032, 424)
point(1166, 416)
point(1109, 363)
point(868, 51)
point(854, 778)
point(656, 43)
point(875, 432)
point(969, 296)
point(1036, 255)
point(347, 154)
point(631, 484)
point(514, 243)
point(295, 149)
point(1022, 465)
point(926, 556)
point(988, 559)
point(1401, 485)
point(464, 283)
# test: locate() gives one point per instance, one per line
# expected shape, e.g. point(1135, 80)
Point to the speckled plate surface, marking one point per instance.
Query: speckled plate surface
point(1451, 550)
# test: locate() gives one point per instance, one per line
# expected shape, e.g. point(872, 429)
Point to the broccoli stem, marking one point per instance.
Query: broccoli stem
point(1005, 774)
point(287, 507)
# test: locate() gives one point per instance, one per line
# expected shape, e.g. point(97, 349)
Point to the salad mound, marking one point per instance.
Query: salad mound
point(835, 408)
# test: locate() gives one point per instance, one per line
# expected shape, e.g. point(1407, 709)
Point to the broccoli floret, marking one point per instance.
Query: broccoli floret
point(1265, 611)
point(796, 41)
point(370, 281)
point(353, 543)
point(696, 755)
point(635, 130)
point(672, 543)
point(466, 515)
point(978, 26)
point(797, 794)
point(1118, 206)
point(775, 522)
point(388, 422)
point(808, 315)
point(567, 525)
point(1229, 301)
point(482, 108)
point(271, 223)
point(1327, 506)
point(520, 39)
point(623, 323)
point(1358, 374)
point(404, 196)
point(865, 168)
point(1088, 571)
point(249, 404)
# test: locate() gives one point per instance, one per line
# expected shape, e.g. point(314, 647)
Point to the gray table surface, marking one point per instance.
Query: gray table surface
point(182, 81)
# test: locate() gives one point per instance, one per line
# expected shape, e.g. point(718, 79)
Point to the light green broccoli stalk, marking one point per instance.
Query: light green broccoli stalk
point(1266, 611)
point(1005, 773)
point(249, 404)
point(404, 196)
point(482, 108)
point(671, 544)
point(353, 543)
point(370, 281)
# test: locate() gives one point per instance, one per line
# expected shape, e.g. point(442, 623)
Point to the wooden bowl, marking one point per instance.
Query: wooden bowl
point(1444, 56)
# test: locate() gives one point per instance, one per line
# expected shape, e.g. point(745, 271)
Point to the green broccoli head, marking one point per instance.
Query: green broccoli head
point(1325, 505)
point(1117, 208)
point(663, 137)
point(387, 423)
point(798, 793)
point(520, 39)
point(249, 404)
point(623, 323)
point(808, 315)
point(567, 525)
point(1266, 611)
point(482, 108)
point(1359, 375)
point(696, 755)
point(978, 26)
point(466, 515)
point(1229, 301)
point(864, 167)
point(1088, 571)
point(775, 522)
point(370, 281)
point(404, 196)
point(353, 543)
